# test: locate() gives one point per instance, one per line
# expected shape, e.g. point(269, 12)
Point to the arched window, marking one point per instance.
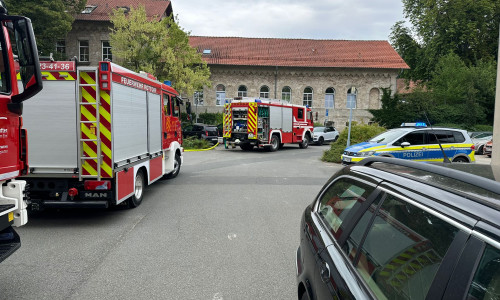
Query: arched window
point(307, 99)
point(220, 95)
point(242, 91)
point(330, 98)
point(264, 92)
point(286, 94)
point(374, 99)
point(352, 94)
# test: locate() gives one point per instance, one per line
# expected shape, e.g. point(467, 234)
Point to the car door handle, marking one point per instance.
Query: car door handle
point(325, 272)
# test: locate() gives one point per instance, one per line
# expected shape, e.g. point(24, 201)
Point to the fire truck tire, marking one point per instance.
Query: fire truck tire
point(136, 198)
point(305, 142)
point(177, 168)
point(275, 143)
point(281, 145)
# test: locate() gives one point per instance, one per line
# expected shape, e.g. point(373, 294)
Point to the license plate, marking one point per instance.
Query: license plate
point(347, 159)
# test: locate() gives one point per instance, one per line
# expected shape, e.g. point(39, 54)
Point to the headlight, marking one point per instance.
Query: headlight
point(365, 154)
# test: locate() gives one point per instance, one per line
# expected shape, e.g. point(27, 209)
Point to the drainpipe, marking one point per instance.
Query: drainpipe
point(276, 82)
point(495, 153)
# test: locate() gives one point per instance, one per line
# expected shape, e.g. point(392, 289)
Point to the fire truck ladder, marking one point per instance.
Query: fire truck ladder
point(88, 119)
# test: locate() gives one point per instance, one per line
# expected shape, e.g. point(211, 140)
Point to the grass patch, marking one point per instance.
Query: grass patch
point(193, 143)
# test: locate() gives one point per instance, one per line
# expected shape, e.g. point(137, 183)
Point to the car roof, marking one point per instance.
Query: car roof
point(475, 185)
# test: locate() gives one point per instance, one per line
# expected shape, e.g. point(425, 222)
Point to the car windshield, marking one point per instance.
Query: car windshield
point(319, 129)
point(482, 136)
point(387, 136)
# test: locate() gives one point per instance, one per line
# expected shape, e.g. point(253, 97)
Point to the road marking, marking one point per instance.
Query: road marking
point(231, 236)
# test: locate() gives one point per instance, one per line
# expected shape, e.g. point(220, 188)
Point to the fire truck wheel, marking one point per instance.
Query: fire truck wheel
point(305, 142)
point(275, 143)
point(177, 168)
point(136, 199)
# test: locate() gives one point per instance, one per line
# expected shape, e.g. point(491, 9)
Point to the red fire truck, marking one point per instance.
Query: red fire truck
point(99, 135)
point(16, 40)
point(266, 123)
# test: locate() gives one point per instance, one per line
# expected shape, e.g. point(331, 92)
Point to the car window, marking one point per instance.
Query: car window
point(486, 282)
point(459, 137)
point(444, 137)
point(339, 202)
point(414, 138)
point(402, 250)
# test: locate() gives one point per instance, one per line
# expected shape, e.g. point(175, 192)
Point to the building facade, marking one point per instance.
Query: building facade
point(330, 76)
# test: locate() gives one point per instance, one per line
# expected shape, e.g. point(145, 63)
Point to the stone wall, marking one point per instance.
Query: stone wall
point(367, 82)
point(95, 33)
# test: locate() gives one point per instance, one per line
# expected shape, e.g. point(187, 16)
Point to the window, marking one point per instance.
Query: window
point(88, 9)
point(414, 138)
point(242, 91)
point(198, 98)
point(106, 51)
point(329, 98)
point(339, 202)
point(286, 94)
point(402, 250)
point(445, 137)
point(264, 92)
point(220, 95)
point(177, 106)
point(84, 51)
point(61, 48)
point(307, 98)
point(486, 282)
point(4, 70)
point(166, 103)
point(352, 94)
point(300, 114)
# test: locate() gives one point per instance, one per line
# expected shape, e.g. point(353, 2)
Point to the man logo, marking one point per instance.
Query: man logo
point(96, 195)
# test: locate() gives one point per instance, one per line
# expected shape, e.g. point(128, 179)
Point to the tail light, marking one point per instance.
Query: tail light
point(472, 147)
point(92, 185)
point(206, 133)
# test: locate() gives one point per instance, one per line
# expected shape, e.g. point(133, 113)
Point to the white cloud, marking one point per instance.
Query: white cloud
point(314, 19)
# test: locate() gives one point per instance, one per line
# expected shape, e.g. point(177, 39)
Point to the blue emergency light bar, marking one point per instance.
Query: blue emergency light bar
point(168, 82)
point(416, 124)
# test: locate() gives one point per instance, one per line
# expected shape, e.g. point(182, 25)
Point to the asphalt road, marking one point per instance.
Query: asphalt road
point(225, 228)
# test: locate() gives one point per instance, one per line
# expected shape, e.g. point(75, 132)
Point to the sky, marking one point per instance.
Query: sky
point(304, 19)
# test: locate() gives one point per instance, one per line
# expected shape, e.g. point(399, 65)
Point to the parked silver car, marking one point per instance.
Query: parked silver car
point(324, 135)
point(480, 140)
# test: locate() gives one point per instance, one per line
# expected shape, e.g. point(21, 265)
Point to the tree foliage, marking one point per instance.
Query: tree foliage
point(157, 47)
point(52, 19)
point(468, 28)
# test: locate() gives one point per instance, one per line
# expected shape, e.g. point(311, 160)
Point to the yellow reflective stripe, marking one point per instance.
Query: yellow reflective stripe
point(48, 76)
point(85, 76)
point(86, 113)
point(89, 169)
point(66, 76)
point(87, 96)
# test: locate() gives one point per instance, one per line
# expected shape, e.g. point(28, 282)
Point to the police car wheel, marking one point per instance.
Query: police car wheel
point(461, 159)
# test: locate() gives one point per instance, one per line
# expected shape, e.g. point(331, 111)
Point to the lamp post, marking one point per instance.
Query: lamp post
point(351, 101)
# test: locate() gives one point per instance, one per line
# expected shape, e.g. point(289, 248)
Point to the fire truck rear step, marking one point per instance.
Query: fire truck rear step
point(9, 242)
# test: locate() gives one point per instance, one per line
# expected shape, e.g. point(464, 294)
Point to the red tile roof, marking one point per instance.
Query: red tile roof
point(154, 8)
point(298, 52)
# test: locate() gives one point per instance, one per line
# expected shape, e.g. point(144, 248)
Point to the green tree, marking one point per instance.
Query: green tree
point(468, 28)
point(52, 19)
point(158, 47)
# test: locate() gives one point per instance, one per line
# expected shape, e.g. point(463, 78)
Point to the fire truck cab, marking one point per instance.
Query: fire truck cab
point(18, 52)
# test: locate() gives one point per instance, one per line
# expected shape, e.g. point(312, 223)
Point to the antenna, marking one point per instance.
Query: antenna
point(446, 159)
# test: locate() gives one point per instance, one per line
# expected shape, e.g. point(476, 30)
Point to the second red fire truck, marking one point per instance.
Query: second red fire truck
point(99, 135)
point(250, 122)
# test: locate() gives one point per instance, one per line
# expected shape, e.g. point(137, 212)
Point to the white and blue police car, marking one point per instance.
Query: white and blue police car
point(415, 141)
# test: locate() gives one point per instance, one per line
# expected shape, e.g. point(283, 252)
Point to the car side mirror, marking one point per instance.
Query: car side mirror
point(405, 144)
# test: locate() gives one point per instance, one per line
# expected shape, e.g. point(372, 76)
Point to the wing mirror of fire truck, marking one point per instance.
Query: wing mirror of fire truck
point(21, 30)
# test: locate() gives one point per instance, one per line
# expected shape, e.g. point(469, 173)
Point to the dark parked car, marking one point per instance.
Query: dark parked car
point(388, 228)
point(201, 131)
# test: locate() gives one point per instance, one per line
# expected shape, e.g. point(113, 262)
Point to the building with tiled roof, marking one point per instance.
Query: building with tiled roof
point(88, 39)
point(318, 73)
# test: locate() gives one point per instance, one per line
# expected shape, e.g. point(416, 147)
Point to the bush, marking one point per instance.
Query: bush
point(210, 118)
point(193, 142)
point(359, 133)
